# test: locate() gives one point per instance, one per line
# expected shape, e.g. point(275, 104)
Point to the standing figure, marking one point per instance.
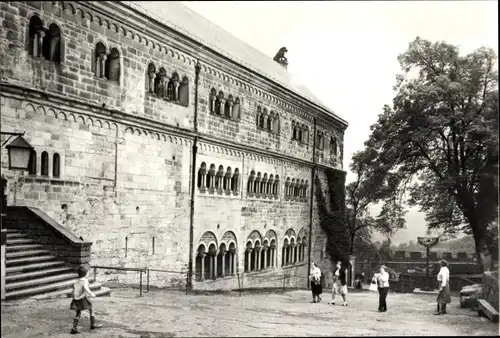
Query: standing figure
point(80, 302)
point(383, 288)
point(315, 282)
point(444, 296)
point(339, 284)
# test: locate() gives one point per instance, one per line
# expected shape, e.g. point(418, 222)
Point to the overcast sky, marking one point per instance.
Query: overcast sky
point(346, 52)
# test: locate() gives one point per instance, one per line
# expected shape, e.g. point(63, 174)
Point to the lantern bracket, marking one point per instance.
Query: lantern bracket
point(11, 134)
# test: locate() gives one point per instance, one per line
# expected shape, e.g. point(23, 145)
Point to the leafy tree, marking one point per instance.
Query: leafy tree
point(360, 195)
point(438, 142)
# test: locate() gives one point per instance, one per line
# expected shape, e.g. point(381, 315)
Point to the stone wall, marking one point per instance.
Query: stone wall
point(490, 288)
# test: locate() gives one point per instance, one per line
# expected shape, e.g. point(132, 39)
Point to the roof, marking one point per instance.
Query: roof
point(184, 20)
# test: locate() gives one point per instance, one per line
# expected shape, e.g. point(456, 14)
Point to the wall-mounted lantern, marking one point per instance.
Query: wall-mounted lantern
point(19, 152)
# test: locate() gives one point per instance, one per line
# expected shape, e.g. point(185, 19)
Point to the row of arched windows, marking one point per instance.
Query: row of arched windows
point(229, 107)
point(268, 121)
point(215, 261)
point(263, 185)
point(44, 42)
point(293, 252)
point(44, 164)
point(296, 188)
point(107, 65)
point(219, 180)
point(171, 88)
point(300, 132)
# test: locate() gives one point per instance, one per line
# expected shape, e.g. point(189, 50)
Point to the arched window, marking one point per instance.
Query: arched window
point(200, 266)
point(319, 138)
point(269, 126)
point(218, 103)
point(276, 185)
point(160, 84)
point(151, 78)
point(228, 107)
point(263, 184)
point(287, 187)
point(227, 179)
point(237, 109)
point(184, 92)
point(211, 177)
point(299, 134)
point(235, 180)
point(294, 131)
point(45, 164)
point(270, 184)
point(276, 124)
point(262, 120)
point(202, 172)
point(257, 183)
point(173, 88)
point(112, 71)
point(35, 35)
point(56, 165)
point(213, 100)
point(100, 60)
point(333, 146)
point(259, 113)
point(248, 257)
point(251, 179)
point(219, 178)
point(32, 163)
point(52, 50)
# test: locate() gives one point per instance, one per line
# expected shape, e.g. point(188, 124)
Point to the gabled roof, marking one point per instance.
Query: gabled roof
point(184, 20)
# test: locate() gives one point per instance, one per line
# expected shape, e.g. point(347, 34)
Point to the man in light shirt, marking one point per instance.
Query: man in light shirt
point(444, 295)
point(383, 288)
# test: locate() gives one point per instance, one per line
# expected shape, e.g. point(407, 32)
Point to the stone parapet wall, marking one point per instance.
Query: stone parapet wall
point(48, 233)
point(490, 288)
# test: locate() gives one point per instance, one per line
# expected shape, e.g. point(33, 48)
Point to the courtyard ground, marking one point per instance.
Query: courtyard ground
point(172, 313)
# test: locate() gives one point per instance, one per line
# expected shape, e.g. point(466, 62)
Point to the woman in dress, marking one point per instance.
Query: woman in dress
point(444, 296)
point(315, 281)
point(339, 284)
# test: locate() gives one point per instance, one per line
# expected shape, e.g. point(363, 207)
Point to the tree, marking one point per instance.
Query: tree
point(438, 143)
point(360, 195)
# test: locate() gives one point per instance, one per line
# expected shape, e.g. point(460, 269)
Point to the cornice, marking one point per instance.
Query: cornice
point(140, 125)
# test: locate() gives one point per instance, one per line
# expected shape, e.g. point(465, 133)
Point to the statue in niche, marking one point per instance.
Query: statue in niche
point(280, 57)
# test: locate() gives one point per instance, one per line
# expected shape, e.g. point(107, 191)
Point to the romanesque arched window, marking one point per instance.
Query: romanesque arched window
point(270, 119)
point(202, 172)
point(305, 135)
point(100, 60)
point(212, 99)
point(228, 107)
point(227, 180)
point(32, 163)
point(45, 164)
point(276, 186)
point(284, 252)
point(262, 118)
point(276, 124)
point(201, 263)
point(150, 78)
point(287, 187)
point(292, 188)
point(211, 177)
point(263, 184)
point(184, 92)
point(219, 103)
point(219, 178)
point(251, 183)
point(294, 131)
point(52, 44)
point(35, 36)
point(112, 70)
point(259, 113)
point(333, 146)
point(237, 109)
point(173, 88)
point(257, 183)
point(270, 184)
point(299, 134)
point(235, 180)
point(56, 165)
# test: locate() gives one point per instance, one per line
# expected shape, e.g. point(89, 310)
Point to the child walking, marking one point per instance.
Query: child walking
point(80, 302)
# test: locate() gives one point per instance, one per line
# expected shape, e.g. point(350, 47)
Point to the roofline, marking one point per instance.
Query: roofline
point(324, 110)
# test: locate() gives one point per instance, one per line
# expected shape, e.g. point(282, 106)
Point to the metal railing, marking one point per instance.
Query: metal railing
point(282, 281)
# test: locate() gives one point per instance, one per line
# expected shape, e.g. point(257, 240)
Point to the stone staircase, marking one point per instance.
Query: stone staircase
point(33, 272)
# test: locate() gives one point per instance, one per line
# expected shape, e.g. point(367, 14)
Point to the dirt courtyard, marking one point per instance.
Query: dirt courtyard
point(172, 313)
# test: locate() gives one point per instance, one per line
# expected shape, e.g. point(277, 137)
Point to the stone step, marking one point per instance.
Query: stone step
point(28, 260)
point(28, 275)
point(12, 235)
point(31, 267)
point(26, 253)
point(488, 310)
point(23, 247)
point(61, 285)
point(97, 288)
point(17, 241)
point(12, 231)
point(41, 281)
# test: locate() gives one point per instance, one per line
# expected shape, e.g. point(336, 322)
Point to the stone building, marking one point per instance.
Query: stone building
point(165, 141)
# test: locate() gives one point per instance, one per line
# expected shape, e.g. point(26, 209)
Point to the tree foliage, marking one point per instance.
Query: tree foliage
point(332, 215)
point(438, 143)
point(361, 195)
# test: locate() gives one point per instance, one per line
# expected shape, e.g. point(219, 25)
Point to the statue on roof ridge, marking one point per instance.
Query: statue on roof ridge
point(280, 57)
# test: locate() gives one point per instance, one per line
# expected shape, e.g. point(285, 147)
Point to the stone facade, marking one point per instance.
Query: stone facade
point(115, 113)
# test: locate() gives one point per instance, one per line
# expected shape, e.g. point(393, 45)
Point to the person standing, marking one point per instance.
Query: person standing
point(383, 288)
point(339, 284)
point(315, 282)
point(444, 296)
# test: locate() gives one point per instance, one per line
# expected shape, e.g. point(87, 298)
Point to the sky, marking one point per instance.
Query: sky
point(346, 52)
